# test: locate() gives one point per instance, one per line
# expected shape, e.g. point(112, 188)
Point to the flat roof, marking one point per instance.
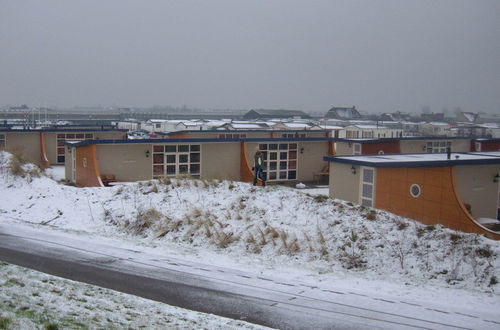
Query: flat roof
point(247, 131)
point(411, 138)
point(59, 130)
point(198, 140)
point(419, 160)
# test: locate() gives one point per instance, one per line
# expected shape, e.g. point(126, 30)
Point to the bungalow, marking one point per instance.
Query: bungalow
point(401, 145)
point(457, 190)
point(288, 159)
point(371, 131)
point(486, 145)
point(46, 146)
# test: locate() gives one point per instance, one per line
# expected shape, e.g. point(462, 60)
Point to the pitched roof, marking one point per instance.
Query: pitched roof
point(343, 113)
point(266, 113)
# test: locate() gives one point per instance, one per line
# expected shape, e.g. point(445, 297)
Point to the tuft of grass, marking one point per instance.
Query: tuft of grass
point(165, 181)
point(320, 198)
point(402, 225)
point(51, 326)
point(144, 219)
point(493, 280)
point(485, 252)
point(223, 239)
point(5, 322)
point(250, 239)
point(371, 215)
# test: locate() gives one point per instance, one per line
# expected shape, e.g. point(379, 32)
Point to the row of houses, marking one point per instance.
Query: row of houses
point(447, 180)
point(338, 128)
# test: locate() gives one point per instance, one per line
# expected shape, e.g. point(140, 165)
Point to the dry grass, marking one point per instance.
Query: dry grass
point(223, 239)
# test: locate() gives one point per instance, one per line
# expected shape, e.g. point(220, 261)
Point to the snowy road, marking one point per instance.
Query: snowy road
point(269, 301)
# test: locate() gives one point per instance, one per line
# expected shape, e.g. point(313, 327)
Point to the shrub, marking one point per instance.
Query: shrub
point(493, 280)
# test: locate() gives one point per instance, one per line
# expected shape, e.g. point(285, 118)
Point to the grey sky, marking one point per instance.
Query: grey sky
point(309, 55)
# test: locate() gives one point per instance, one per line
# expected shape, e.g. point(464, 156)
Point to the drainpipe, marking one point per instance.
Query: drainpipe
point(448, 152)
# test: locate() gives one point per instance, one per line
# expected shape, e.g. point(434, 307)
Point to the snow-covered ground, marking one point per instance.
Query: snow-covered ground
point(31, 300)
point(276, 231)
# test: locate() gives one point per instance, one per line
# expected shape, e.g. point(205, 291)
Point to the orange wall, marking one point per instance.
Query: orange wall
point(390, 147)
point(438, 203)
point(246, 173)
point(44, 161)
point(87, 170)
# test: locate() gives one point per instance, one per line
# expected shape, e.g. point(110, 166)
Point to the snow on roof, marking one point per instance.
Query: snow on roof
point(157, 120)
point(367, 126)
point(424, 159)
point(212, 123)
point(331, 127)
point(296, 125)
point(187, 123)
point(438, 123)
point(246, 125)
point(469, 116)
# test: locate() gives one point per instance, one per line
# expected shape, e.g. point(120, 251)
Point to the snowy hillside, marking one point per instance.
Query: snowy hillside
point(275, 229)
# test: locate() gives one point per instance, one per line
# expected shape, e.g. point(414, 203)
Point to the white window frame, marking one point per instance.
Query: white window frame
point(177, 164)
point(277, 171)
point(354, 151)
point(437, 146)
point(367, 200)
point(71, 139)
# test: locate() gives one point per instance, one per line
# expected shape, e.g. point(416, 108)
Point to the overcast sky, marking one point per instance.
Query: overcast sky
point(308, 55)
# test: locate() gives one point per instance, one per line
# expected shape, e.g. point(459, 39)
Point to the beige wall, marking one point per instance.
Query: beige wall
point(343, 184)
point(220, 160)
point(311, 160)
point(417, 146)
point(109, 135)
point(476, 188)
point(68, 166)
point(51, 146)
point(51, 140)
point(343, 148)
point(27, 143)
point(128, 162)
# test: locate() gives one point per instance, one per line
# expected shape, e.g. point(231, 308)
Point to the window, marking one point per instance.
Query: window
point(293, 135)
point(281, 160)
point(173, 160)
point(433, 147)
point(63, 137)
point(232, 136)
point(357, 149)
point(2, 141)
point(367, 191)
point(415, 190)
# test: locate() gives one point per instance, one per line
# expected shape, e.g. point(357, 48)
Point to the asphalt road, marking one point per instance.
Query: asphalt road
point(227, 292)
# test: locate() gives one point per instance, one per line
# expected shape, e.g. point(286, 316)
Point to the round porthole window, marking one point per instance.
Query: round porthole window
point(415, 190)
point(381, 152)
